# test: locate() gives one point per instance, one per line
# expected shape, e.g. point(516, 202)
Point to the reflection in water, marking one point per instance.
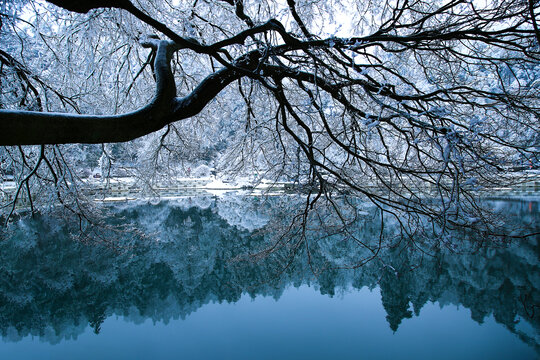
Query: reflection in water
point(53, 287)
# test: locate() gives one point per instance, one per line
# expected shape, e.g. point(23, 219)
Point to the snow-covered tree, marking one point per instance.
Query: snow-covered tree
point(396, 101)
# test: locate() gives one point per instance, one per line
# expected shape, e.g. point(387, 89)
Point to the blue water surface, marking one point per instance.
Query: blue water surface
point(184, 294)
point(302, 324)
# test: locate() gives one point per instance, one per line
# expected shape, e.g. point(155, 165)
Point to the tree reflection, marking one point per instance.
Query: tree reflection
point(54, 287)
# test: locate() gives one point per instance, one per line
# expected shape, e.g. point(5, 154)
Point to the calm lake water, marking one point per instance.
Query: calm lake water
point(207, 278)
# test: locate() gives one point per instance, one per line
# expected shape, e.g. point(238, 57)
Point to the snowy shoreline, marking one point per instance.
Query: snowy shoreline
point(122, 189)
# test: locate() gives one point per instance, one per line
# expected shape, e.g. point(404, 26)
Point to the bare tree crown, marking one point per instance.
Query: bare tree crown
point(406, 96)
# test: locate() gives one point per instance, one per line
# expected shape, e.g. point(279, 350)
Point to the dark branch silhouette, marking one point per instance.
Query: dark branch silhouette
point(435, 100)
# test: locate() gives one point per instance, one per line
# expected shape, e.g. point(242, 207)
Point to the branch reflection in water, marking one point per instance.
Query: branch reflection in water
point(202, 250)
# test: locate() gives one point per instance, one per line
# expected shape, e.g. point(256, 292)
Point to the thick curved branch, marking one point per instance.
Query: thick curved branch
point(36, 128)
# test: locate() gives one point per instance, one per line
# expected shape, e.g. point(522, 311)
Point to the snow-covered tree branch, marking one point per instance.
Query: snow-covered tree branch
point(413, 99)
